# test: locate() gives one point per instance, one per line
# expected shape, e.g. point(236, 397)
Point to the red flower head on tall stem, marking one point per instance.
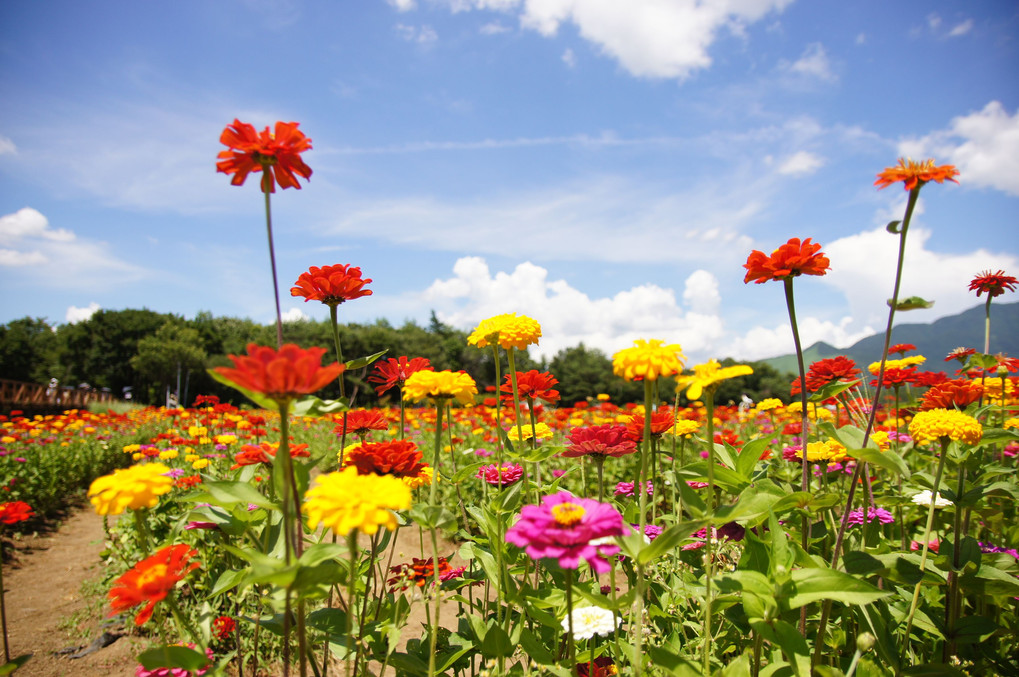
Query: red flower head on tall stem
point(332, 285)
point(789, 260)
point(399, 458)
point(913, 174)
point(361, 422)
point(281, 376)
point(600, 440)
point(826, 371)
point(277, 154)
point(995, 284)
point(151, 580)
point(531, 385)
point(395, 370)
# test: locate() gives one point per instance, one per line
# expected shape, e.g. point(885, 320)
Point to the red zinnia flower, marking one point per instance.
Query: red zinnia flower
point(223, 627)
point(420, 573)
point(914, 174)
point(902, 348)
point(399, 458)
point(531, 385)
point(395, 370)
point(331, 285)
point(151, 580)
point(895, 378)
point(265, 452)
point(960, 354)
point(954, 394)
point(278, 155)
point(828, 370)
point(362, 421)
point(601, 667)
point(283, 375)
point(928, 379)
point(791, 259)
point(662, 421)
point(995, 284)
point(14, 512)
point(600, 440)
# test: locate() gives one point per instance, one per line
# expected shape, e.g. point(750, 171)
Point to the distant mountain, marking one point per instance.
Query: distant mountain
point(934, 340)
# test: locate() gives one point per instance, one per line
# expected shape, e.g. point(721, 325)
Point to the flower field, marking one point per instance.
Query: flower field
point(867, 527)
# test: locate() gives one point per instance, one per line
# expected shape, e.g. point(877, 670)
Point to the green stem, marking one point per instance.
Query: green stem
point(709, 408)
point(436, 590)
point(987, 325)
point(436, 457)
point(351, 591)
point(343, 394)
point(570, 648)
point(926, 545)
point(266, 188)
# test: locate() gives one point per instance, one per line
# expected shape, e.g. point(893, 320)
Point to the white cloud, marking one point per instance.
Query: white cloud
point(649, 38)
point(402, 5)
point(961, 29)
point(7, 146)
point(801, 163)
point(983, 145)
point(75, 314)
point(493, 28)
point(569, 58)
point(295, 314)
point(29, 223)
point(423, 35)
point(863, 269)
point(12, 259)
point(813, 63)
point(764, 342)
point(569, 317)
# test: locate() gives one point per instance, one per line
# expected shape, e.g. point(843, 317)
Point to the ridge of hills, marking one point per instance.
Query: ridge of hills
point(933, 340)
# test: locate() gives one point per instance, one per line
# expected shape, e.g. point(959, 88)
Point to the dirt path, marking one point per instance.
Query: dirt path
point(43, 581)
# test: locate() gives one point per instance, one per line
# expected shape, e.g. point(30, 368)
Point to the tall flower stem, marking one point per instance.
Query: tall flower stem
point(709, 410)
point(860, 470)
point(351, 591)
point(571, 650)
point(953, 600)
point(987, 324)
point(945, 441)
point(433, 493)
point(498, 408)
point(267, 189)
point(333, 320)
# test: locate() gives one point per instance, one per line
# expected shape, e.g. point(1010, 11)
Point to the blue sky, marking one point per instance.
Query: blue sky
point(602, 166)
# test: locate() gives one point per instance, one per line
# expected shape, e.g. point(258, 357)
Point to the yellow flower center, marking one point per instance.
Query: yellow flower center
point(567, 514)
point(152, 574)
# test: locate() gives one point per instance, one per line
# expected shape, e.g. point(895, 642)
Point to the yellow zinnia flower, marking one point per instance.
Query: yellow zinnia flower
point(706, 375)
point(344, 501)
point(769, 404)
point(139, 486)
point(936, 424)
point(508, 331)
point(541, 431)
point(902, 363)
point(648, 360)
point(422, 479)
point(440, 384)
point(829, 450)
point(685, 427)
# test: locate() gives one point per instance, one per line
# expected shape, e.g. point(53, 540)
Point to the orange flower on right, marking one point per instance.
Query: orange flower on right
point(151, 580)
point(914, 174)
point(789, 260)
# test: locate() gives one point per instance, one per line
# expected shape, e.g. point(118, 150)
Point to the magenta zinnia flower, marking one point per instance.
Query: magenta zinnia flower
point(600, 440)
point(501, 476)
point(563, 528)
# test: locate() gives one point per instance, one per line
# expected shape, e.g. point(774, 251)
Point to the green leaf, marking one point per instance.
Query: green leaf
point(888, 460)
point(673, 664)
point(893, 227)
point(496, 642)
point(813, 585)
point(669, 539)
point(912, 303)
point(362, 362)
point(173, 657)
point(14, 664)
point(258, 398)
point(313, 406)
point(933, 670)
point(227, 493)
point(750, 455)
point(831, 390)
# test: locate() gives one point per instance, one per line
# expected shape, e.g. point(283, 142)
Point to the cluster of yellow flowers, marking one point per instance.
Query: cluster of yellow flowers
point(648, 360)
point(507, 331)
point(935, 424)
point(440, 384)
point(901, 363)
point(139, 486)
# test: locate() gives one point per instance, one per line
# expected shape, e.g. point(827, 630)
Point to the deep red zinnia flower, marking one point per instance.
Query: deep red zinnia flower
point(531, 385)
point(419, 572)
point(223, 627)
point(265, 452)
point(283, 375)
point(151, 580)
point(995, 284)
point(928, 379)
point(601, 667)
point(896, 378)
point(960, 354)
point(13, 512)
point(954, 394)
point(278, 155)
point(399, 458)
point(662, 421)
point(362, 421)
point(395, 370)
point(332, 285)
point(828, 370)
point(600, 440)
point(901, 348)
point(789, 260)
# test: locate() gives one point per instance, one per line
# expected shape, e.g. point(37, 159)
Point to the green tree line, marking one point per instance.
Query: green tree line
point(148, 353)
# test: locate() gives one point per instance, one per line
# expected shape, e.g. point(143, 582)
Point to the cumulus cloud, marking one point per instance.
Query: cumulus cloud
point(984, 145)
point(764, 342)
point(813, 63)
point(295, 314)
point(649, 38)
point(402, 5)
point(570, 317)
point(801, 163)
point(40, 249)
point(75, 314)
point(863, 269)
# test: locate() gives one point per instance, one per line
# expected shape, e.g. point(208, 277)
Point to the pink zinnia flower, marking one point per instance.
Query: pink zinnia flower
point(627, 488)
point(563, 528)
point(504, 475)
point(600, 440)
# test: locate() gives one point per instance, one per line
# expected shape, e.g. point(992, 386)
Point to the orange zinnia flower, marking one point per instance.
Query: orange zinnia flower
point(278, 155)
point(362, 421)
point(265, 452)
point(283, 375)
point(531, 385)
point(332, 285)
point(791, 259)
point(399, 458)
point(914, 174)
point(151, 580)
point(954, 394)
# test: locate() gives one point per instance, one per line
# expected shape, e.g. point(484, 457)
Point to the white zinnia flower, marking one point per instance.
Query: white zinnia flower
point(924, 498)
point(589, 621)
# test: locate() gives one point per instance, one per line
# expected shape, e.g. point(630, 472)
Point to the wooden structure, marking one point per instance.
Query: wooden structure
point(36, 397)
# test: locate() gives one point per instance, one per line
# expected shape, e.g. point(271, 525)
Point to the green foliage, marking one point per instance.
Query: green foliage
point(28, 351)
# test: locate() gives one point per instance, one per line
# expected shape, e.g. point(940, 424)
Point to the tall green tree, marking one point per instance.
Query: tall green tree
point(28, 351)
point(170, 355)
